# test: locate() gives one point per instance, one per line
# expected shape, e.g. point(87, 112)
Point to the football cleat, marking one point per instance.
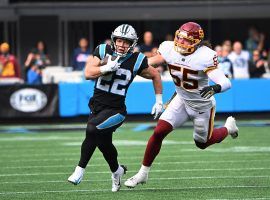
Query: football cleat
point(231, 127)
point(116, 178)
point(139, 178)
point(77, 176)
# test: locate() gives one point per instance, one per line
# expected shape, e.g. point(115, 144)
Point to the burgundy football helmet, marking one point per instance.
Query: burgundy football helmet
point(188, 37)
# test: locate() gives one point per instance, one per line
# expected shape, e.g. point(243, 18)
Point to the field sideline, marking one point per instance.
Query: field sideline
point(36, 165)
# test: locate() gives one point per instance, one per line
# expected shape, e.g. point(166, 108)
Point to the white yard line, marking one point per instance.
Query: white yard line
point(180, 151)
point(152, 171)
point(160, 179)
point(135, 143)
point(120, 157)
point(141, 189)
point(39, 138)
point(137, 163)
point(38, 155)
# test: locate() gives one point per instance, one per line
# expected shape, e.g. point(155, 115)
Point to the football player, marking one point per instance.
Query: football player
point(114, 68)
point(191, 63)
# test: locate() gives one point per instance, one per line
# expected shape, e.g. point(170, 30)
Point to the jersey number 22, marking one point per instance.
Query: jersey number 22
point(116, 86)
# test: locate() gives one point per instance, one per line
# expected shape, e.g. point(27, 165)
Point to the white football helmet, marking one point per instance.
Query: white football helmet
point(126, 32)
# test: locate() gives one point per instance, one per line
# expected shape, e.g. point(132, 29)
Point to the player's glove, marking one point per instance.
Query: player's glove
point(158, 106)
point(209, 91)
point(112, 65)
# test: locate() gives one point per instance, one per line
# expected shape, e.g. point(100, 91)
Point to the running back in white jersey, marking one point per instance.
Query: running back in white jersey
point(189, 73)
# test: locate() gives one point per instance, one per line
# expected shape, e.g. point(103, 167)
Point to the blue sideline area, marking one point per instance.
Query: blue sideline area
point(245, 96)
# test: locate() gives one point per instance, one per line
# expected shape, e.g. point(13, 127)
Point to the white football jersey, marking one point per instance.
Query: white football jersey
point(189, 73)
point(240, 64)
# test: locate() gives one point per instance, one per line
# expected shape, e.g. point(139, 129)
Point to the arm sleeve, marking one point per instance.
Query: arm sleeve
point(218, 77)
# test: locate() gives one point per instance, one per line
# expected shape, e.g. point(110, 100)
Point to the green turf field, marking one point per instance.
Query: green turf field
point(36, 166)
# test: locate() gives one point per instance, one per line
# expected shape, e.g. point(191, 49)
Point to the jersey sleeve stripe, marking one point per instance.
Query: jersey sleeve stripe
point(138, 63)
point(111, 121)
point(102, 49)
point(210, 68)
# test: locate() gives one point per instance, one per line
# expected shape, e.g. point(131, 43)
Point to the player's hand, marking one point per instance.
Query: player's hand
point(158, 106)
point(111, 66)
point(209, 91)
point(157, 110)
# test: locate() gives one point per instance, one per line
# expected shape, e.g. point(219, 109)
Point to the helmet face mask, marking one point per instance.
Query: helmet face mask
point(122, 46)
point(126, 33)
point(188, 37)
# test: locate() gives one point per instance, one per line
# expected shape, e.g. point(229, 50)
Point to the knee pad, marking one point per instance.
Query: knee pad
point(200, 131)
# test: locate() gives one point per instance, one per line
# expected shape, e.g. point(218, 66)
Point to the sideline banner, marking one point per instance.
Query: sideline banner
point(29, 101)
point(246, 95)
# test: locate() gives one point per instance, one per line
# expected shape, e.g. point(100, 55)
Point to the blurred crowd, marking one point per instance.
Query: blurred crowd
point(249, 60)
point(238, 60)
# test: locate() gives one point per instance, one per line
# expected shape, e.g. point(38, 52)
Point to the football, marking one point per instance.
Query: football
point(104, 61)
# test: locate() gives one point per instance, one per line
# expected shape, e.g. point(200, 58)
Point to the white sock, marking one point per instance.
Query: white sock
point(79, 169)
point(145, 169)
point(118, 171)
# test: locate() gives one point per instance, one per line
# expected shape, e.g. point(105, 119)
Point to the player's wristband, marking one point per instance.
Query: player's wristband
point(159, 98)
point(217, 88)
point(104, 69)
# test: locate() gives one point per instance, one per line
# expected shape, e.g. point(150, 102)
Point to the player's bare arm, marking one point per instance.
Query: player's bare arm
point(156, 60)
point(152, 73)
point(92, 68)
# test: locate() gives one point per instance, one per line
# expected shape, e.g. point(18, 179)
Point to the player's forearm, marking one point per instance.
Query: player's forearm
point(92, 68)
point(157, 83)
point(218, 77)
point(91, 72)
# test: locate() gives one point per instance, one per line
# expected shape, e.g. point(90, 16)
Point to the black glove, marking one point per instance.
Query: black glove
point(209, 91)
